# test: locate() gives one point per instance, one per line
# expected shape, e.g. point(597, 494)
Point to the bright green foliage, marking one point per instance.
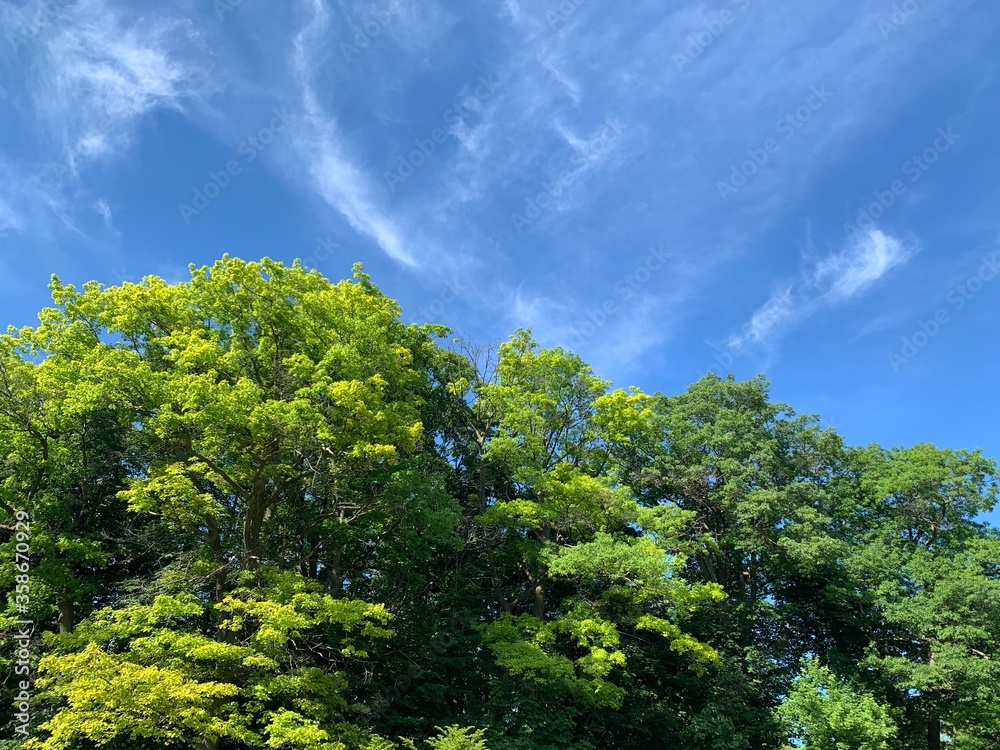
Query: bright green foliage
point(151, 671)
point(576, 532)
point(458, 738)
point(64, 457)
point(265, 513)
point(824, 713)
point(450, 738)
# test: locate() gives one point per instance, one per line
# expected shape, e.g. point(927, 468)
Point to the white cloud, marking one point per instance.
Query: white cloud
point(513, 9)
point(100, 71)
point(104, 210)
point(830, 281)
point(774, 312)
point(572, 87)
point(543, 314)
point(321, 149)
point(83, 75)
point(863, 262)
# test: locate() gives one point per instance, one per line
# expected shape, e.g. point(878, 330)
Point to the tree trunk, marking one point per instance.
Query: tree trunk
point(252, 526)
point(540, 600)
point(503, 607)
point(218, 557)
point(333, 573)
point(933, 733)
point(543, 536)
point(66, 616)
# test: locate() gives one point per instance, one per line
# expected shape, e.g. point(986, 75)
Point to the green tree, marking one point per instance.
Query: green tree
point(277, 424)
point(823, 712)
point(588, 565)
point(265, 513)
point(927, 569)
point(754, 479)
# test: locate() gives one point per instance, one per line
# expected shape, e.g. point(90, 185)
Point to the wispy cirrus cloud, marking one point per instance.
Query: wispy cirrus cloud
point(781, 306)
point(559, 73)
point(80, 77)
point(321, 149)
point(569, 72)
point(100, 69)
point(104, 210)
point(864, 261)
point(826, 282)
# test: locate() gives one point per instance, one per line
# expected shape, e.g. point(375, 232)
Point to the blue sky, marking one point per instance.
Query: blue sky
point(805, 190)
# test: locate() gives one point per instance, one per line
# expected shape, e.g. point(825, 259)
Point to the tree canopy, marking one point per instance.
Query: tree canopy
point(266, 513)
